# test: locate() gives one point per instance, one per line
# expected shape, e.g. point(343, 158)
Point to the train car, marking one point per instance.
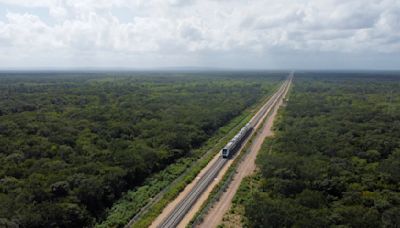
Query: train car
point(236, 141)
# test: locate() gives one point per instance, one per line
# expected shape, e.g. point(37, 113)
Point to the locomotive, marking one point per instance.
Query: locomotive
point(236, 141)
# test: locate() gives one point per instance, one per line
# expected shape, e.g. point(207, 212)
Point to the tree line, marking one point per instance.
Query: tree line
point(71, 144)
point(335, 158)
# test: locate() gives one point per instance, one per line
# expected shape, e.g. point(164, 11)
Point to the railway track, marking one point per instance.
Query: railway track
point(182, 208)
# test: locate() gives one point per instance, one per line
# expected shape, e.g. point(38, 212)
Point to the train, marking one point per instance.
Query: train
point(236, 141)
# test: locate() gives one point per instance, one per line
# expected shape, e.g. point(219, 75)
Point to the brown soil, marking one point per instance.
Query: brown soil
point(245, 168)
point(249, 167)
point(168, 209)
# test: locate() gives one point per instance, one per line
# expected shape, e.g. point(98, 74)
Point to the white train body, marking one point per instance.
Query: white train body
point(236, 141)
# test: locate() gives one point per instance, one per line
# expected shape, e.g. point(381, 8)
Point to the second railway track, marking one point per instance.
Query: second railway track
point(182, 208)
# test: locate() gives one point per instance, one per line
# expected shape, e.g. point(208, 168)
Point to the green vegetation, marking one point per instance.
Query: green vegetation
point(71, 145)
point(335, 159)
point(196, 167)
point(171, 181)
point(219, 189)
point(222, 185)
point(249, 185)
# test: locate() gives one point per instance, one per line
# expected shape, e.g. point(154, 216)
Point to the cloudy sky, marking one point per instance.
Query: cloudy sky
point(268, 34)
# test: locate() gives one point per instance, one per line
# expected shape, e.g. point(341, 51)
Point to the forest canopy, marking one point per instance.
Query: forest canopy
point(335, 158)
point(71, 144)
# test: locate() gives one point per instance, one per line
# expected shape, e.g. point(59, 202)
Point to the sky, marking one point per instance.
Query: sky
point(237, 34)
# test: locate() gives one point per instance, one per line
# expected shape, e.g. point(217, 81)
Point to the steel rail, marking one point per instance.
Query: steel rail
point(178, 213)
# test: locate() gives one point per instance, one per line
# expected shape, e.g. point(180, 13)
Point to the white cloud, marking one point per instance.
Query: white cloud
point(88, 31)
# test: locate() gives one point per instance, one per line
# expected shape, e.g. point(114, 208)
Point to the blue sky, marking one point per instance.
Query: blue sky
point(259, 34)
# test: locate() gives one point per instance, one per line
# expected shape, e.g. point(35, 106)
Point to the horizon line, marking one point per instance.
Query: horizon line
point(179, 68)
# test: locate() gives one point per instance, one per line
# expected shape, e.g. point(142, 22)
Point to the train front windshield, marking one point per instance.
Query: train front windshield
point(224, 152)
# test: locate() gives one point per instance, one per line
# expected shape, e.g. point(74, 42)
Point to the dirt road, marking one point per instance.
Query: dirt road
point(245, 168)
point(197, 204)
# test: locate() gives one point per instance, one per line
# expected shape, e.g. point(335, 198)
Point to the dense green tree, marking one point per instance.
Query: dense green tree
point(335, 159)
point(72, 144)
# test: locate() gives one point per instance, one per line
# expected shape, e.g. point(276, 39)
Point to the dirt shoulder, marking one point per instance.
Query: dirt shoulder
point(245, 168)
point(167, 210)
